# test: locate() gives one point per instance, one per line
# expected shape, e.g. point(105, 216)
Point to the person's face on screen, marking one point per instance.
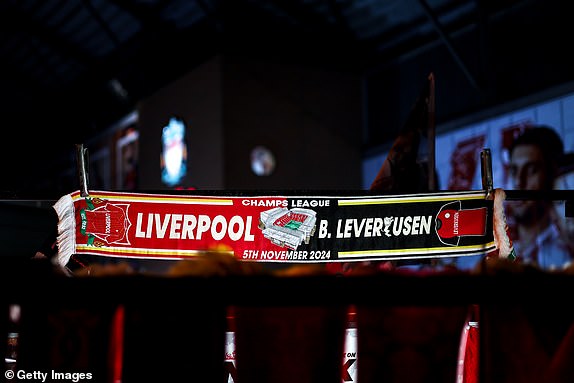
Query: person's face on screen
point(526, 172)
point(527, 168)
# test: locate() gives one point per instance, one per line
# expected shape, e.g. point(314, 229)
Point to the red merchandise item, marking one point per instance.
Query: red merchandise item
point(107, 222)
point(468, 355)
point(453, 222)
point(456, 223)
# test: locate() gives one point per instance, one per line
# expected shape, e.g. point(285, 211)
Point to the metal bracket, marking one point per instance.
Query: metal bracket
point(486, 172)
point(82, 160)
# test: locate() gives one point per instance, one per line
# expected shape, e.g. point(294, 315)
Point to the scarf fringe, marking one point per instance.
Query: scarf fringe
point(66, 230)
point(500, 226)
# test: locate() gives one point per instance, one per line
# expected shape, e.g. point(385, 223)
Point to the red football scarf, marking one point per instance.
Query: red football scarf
point(275, 228)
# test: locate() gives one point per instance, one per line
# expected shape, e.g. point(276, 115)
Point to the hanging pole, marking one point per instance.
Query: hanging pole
point(431, 134)
point(82, 161)
point(486, 172)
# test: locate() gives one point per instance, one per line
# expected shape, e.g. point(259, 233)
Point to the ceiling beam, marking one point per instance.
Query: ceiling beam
point(449, 45)
point(18, 20)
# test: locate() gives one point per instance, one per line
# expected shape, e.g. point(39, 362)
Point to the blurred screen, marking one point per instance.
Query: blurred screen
point(173, 159)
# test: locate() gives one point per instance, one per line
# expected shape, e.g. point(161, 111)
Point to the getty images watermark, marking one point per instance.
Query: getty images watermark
point(47, 376)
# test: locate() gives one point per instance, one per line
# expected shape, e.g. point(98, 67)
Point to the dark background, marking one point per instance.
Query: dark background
point(69, 69)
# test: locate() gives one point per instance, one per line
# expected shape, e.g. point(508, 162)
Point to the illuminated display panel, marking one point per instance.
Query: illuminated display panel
point(173, 161)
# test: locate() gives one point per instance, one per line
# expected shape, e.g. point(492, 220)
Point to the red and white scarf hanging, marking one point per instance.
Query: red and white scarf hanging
point(278, 228)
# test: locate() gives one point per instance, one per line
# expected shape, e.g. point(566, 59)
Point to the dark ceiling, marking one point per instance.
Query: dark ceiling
point(69, 68)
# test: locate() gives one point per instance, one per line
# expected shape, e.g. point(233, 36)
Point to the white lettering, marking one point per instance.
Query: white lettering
point(108, 223)
point(376, 227)
point(455, 224)
point(397, 225)
point(203, 223)
point(218, 221)
point(149, 225)
point(369, 227)
point(416, 224)
point(407, 225)
point(248, 236)
point(175, 226)
point(310, 203)
point(425, 225)
point(358, 229)
point(139, 232)
point(264, 203)
point(188, 226)
point(189, 222)
point(161, 227)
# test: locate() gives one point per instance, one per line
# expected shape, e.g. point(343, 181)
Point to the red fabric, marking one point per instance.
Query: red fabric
point(468, 359)
point(107, 222)
point(462, 222)
point(471, 356)
point(117, 345)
